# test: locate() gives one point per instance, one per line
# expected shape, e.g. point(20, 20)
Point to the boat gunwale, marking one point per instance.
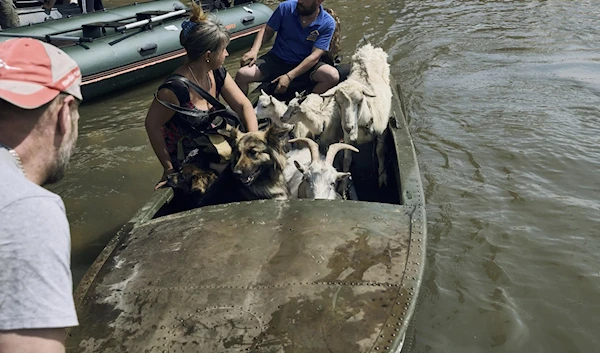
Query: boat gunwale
point(411, 189)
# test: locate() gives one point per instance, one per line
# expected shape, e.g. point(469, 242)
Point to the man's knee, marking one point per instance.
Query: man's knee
point(327, 75)
point(241, 75)
point(248, 74)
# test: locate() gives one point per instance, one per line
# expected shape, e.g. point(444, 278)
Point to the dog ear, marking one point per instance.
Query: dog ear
point(230, 132)
point(277, 135)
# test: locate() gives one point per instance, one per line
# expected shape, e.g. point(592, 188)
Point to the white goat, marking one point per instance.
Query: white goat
point(365, 101)
point(318, 114)
point(270, 107)
point(312, 175)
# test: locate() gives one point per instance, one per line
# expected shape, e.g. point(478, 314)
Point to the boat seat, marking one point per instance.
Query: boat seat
point(98, 29)
point(146, 15)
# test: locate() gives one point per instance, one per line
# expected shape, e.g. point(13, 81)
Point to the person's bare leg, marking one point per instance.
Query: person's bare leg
point(326, 76)
point(246, 75)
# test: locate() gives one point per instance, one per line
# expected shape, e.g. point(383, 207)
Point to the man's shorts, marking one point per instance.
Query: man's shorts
point(271, 66)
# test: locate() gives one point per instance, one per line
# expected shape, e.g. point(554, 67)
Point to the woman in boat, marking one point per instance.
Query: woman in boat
point(173, 133)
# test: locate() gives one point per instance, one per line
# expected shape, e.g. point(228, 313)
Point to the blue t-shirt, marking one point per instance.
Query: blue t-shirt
point(294, 43)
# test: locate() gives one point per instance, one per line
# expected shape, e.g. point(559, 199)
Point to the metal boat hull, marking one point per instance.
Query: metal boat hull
point(261, 276)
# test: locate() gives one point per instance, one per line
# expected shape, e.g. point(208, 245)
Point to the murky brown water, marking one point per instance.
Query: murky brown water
point(503, 99)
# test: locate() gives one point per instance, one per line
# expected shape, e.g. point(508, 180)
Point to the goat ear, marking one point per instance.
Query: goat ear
point(342, 175)
point(368, 92)
point(262, 91)
point(329, 92)
point(300, 167)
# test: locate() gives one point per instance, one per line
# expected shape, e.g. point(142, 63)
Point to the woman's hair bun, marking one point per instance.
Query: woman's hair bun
point(198, 15)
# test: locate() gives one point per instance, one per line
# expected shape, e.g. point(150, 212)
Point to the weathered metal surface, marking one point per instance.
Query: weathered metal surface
point(297, 276)
point(158, 199)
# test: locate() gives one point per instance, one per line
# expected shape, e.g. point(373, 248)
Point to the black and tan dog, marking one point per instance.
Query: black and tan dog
point(190, 184)
point(255, 170)
point(191, 178)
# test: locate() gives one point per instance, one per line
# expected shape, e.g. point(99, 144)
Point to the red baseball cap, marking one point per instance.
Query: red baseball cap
point(32, 73)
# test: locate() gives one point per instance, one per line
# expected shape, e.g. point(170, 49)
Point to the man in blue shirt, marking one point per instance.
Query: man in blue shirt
point(304, 32)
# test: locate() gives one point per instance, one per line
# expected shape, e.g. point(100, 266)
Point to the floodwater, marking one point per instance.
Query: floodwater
point(503, 100)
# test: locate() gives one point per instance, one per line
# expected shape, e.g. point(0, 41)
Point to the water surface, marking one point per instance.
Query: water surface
point(503, 100)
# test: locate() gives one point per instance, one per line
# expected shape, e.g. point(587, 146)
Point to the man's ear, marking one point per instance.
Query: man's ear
point(65, 115)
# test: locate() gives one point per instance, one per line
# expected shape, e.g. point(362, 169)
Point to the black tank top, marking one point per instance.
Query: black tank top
point(177, 128)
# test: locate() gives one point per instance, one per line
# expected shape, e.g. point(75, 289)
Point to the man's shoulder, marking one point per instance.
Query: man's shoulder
point(18, 191)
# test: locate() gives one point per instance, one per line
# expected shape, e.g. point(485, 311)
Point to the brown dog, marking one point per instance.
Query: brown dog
point(255, 169)
point(191, 179)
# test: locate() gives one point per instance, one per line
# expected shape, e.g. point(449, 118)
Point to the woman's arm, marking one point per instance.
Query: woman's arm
point(157, 116)
point(240, 104)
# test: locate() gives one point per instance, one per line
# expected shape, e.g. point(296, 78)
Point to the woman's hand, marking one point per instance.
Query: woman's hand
point(163, 181)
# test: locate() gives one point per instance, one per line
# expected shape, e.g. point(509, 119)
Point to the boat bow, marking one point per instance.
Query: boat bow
point(269, 276)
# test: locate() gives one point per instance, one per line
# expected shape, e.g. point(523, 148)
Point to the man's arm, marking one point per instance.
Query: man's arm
point(33, 341)
point(284, 81)
point(263, 36)
point(321, 46)
point(307, 63)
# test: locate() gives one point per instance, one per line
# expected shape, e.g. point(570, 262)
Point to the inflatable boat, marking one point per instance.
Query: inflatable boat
point(124, 46)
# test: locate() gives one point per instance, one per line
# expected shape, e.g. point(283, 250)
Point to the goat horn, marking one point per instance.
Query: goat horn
point(312, 145)
point(335, 148)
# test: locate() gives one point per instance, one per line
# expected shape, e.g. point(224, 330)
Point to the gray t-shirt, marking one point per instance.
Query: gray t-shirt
point(36, 288)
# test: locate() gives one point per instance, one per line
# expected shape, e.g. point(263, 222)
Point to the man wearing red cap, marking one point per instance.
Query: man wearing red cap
point(39, 99)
